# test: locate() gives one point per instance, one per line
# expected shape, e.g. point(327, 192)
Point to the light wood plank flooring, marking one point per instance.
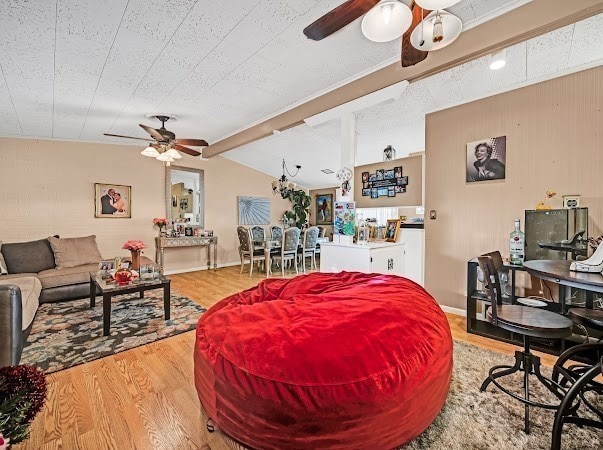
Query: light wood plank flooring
point(145, 398)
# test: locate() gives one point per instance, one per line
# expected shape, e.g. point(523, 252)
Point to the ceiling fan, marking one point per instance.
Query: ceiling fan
point(423, 25)
point(165, 143)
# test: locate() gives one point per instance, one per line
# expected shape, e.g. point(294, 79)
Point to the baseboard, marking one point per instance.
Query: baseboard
point(196, 269)
point(451, 310)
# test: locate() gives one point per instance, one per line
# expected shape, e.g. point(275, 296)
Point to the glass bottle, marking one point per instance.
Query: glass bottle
point(516, 244)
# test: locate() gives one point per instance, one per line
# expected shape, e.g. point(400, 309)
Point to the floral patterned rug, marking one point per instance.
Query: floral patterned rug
point(69, 333)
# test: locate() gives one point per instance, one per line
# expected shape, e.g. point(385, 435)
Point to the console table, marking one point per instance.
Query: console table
point(161, 243)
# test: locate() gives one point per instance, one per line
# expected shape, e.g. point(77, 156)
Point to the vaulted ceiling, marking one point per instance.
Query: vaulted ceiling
point(75, 69)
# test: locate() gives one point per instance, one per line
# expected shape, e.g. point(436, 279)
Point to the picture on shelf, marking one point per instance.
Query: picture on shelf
point(391, 191)
point(391, 230)
point(112, 200)
point(486, 159)
point(365, 177)
point(388, 174)
point(366, 192)
point(398, 172)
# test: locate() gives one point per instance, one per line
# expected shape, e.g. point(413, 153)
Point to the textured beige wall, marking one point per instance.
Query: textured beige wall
point(47, 187)
point(411, 167)
point(554, 141)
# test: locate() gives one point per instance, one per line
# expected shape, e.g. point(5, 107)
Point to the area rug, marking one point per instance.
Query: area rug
point(69, 333)
point(473, 420)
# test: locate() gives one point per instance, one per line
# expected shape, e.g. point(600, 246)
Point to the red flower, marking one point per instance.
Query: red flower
point(134, 245)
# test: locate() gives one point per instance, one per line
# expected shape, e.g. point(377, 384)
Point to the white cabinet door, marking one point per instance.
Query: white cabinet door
point(389, 261)
point(337, 258)
point(414, 245)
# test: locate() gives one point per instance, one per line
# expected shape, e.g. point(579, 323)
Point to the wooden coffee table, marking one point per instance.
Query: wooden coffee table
point(109, 288)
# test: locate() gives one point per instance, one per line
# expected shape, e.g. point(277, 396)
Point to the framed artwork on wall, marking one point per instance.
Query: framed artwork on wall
point(112, 201)
point(324, 209)
point(486, 159)
point(254, 211)
point(391, 230)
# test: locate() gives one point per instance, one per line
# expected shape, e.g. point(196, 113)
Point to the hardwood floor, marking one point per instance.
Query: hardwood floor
point(145, 398)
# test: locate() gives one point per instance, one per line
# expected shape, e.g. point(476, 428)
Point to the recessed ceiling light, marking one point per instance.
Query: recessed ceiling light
point(498, 59)
point(327, 171)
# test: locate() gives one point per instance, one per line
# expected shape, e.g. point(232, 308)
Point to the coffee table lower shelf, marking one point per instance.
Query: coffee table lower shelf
point(98, 286)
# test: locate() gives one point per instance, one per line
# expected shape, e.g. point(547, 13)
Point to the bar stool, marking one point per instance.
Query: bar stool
point(528, 322)
point(579, 377)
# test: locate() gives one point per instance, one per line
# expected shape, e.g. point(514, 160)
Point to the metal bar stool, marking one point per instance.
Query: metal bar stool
point(528, 322)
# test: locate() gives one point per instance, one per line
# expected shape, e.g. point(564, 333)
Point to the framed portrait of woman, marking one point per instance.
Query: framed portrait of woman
point(112, 201)
point(391, 230)
point(324, 209)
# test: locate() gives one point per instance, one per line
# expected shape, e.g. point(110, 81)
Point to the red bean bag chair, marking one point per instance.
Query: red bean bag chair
point(324, 361)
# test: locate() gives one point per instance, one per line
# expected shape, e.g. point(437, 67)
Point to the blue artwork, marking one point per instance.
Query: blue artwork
point(254, 211)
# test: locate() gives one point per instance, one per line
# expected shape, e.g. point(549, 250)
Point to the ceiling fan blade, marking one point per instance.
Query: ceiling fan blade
point(127, 137)
point(338, 18)
point(183, 149)
point(193, 142)
point(153, 132)
point(410, 55)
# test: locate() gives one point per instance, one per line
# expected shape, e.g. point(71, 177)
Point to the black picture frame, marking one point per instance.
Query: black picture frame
point(366, 192)
point(388, 174)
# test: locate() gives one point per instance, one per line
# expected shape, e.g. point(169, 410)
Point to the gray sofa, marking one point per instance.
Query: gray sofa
point(35, 272)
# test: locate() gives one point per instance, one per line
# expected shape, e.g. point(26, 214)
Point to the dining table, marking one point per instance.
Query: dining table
point(269, 244)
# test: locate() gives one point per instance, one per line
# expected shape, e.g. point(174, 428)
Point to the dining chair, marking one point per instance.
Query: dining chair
point(308, 248)
point(289, 246)
point(258, 235)
point(527, 322)
point(276, 232)
point(246, 249)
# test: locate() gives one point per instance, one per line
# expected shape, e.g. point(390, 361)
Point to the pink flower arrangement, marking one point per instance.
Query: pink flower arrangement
point(160, 222)
point(134, 246)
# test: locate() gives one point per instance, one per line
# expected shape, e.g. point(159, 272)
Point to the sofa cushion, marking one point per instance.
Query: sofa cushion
point(30, 293)
point(65, 277)
point(12, 276)
point(73, 252)
point(3, 269)
point(28, 257)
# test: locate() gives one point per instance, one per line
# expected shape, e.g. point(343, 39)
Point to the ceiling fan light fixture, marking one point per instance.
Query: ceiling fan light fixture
point(436, 4)
point(451, 27)
point(173, 153)
point(150, 151)
point(438, 30)
point(164, 157)
point(498, 60)
point(387, 21)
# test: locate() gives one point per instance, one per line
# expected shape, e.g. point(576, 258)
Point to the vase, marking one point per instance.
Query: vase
point(135, 259)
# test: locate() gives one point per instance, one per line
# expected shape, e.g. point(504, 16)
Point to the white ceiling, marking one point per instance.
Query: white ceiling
point(402, 123)
point(75, 69)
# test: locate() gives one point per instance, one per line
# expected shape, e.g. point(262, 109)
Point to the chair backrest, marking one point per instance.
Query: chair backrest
point(290, 240)
point(244, 238)
point(491, 263)
point(310, 238)
point(258, 233)
point(276, 232)
point(321, 231)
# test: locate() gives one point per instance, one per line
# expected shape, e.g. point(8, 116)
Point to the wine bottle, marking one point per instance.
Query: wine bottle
point(516, 244)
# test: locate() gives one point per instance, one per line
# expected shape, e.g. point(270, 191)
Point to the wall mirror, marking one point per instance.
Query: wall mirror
point(184, 193)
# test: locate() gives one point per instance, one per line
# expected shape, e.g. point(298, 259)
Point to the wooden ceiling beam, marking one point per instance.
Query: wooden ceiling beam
point(528, 21)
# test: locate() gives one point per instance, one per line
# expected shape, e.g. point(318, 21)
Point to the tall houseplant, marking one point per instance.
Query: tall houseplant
point(301, 207)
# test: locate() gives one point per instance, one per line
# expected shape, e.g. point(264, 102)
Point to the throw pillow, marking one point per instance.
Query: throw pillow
point(3, 269)
point(28, 257)
point(72, 252)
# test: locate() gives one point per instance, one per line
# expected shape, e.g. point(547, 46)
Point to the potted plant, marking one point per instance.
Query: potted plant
point(301, 207)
